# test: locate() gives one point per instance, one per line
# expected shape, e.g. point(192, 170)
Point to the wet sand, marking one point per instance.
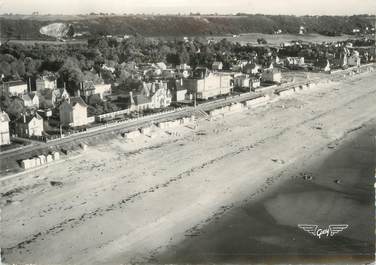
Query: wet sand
point(129, 201)
point(266, 230)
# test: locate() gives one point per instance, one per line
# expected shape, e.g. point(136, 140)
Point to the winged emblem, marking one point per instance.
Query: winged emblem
point(319, 232)
point(335, 229)
point(309, 228)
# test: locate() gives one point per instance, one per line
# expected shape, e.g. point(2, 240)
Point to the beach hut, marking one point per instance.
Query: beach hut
point(37, 161)
point(83, 146)
point(56, 156)
point(42, 159)
point(26, 164)
point(49, 158)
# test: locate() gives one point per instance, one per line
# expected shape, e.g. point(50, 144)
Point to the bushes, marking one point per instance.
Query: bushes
point(14, 28)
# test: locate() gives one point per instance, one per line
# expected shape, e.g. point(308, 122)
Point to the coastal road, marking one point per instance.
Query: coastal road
point(40, 147)
point(128, 126)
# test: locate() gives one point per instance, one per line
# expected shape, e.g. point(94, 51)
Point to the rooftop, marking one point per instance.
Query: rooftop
point(77, 100)
point(4, 117)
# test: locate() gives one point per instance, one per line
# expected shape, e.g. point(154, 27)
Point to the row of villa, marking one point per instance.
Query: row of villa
point(42, 97)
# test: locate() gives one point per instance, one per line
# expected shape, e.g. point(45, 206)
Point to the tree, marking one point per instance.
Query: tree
point(261, 41)
point(70, 32)
point(107, 76)
point(5, 69)
point(90, 76)
point(95, 100)
point(32, 66)
point(13, 106)
point(71, 73)
point(183, 56)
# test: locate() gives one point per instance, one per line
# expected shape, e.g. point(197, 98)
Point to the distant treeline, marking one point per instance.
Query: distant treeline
point(160, 26)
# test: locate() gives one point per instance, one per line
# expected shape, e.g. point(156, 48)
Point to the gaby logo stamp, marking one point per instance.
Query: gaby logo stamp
point(328, 232)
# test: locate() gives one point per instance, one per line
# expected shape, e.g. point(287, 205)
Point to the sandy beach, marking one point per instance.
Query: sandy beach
point(154, 198)
point(265, 230)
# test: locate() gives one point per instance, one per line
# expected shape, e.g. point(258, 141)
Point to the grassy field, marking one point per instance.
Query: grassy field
point(275, 39)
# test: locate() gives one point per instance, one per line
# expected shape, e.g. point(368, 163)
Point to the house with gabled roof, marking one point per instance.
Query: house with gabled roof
point(89, 88)
point(272, 75)
point(31, 100)
point(73, 112)
point(137, 102)
point(4, 128)
point(50, 98)
point(251, 68)
point(158, 92)
point(29, 125)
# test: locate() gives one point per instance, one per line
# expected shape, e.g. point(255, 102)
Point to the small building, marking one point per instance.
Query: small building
point(14, 88)
point(343, 56)
point(50, 98)
point(73, 112)
point(217, 66)
point(86, 90)
point(56, 155)
point(179, 91)
point(31, 100)
point(138, 102)
point(354, 59)
point(272, 75)
point(109, 68)
point(246, 81)
point(49, 158)
point(89, 88)
point(251, 68)
point(103, 90)
point(46, 82)
point(4, 128)
point(295, 61)
point(255, 83)
point(29, 125)
point(238, 66)
point(242, 81)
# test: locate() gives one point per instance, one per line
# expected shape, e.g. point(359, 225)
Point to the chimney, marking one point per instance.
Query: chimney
point(29, 85)
point(131, 97)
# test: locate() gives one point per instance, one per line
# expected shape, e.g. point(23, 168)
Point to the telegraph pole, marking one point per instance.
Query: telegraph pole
point(61, 131)
point(374, 35)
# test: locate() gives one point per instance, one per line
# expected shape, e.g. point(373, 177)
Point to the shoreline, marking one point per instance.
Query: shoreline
point(119, 207)
point(270, 234)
